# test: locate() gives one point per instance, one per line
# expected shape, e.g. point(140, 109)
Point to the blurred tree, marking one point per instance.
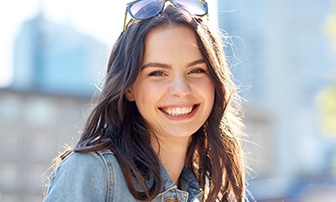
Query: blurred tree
point(330, 25)
point(327, 97)
point(327, 105)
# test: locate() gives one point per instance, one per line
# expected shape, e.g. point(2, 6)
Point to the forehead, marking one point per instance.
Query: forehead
point(173, 41)
point(170, 29)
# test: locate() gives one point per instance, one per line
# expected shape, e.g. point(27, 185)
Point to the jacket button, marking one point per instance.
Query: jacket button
point(172, 200)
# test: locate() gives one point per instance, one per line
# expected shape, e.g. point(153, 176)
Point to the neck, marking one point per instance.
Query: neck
point(172, 154)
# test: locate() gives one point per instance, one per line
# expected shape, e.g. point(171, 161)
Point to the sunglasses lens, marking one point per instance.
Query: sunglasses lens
point(146, 9)
point(196, 7)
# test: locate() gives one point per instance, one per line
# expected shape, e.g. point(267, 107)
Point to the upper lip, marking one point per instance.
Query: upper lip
point(178, 105)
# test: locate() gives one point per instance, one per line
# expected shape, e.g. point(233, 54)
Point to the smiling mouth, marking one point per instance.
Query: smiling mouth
point(178, 111)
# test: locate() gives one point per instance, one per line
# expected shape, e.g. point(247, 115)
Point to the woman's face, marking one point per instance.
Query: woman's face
point(173, 91)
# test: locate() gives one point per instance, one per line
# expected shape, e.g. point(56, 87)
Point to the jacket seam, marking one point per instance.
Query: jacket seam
point(109, 174)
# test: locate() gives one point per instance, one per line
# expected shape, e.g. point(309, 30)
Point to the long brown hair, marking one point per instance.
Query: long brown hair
point(115, 123)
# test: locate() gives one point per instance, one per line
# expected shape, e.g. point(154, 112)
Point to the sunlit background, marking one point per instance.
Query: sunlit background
point(282, 53)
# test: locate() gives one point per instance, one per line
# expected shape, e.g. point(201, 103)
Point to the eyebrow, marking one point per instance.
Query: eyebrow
point(167, 66)
point(196, 62)
point(155, 64)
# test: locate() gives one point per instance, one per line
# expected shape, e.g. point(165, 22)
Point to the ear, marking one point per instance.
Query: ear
point(129, 95)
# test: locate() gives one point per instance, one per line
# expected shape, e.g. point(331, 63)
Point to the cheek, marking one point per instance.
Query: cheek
point(207, 88)
point(146, 94)
point(209, 93)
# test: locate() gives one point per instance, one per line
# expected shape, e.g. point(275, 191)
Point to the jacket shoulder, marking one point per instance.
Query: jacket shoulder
point(82, 177)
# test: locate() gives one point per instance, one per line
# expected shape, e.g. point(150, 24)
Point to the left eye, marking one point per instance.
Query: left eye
point(195, 71)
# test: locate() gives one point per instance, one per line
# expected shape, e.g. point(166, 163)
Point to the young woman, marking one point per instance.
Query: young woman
point(166, 126)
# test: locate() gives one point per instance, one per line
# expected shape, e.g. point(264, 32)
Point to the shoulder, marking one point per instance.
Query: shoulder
point(87, 160)
point(85, 165)
point(83, 176)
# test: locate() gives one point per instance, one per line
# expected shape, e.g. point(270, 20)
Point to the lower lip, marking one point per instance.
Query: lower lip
point(182, 117)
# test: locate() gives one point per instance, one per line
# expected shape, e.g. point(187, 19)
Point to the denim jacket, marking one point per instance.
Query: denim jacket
point(96, 176)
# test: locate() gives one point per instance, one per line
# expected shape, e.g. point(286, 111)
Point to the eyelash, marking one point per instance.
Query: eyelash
point(196, 71)
point(193, 71)
point(157, 73)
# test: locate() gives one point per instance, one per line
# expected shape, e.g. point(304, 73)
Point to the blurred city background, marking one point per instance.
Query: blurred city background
point(282, 53)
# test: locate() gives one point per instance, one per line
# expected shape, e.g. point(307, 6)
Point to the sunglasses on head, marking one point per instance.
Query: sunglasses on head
point(144, 9)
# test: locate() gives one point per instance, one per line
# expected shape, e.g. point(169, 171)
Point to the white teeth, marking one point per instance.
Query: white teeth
point(178, 111)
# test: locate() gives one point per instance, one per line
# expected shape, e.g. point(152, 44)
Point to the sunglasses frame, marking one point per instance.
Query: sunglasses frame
point(172, 2)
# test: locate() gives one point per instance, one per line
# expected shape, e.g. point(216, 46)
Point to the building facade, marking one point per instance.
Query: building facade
point(34, 128)
point(281, 58)
point(56, 71)
point(51, 57)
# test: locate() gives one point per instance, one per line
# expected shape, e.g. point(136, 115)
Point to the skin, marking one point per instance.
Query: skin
point(173, 92)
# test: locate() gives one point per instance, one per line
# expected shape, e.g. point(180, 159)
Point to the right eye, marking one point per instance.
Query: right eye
point(157, 73)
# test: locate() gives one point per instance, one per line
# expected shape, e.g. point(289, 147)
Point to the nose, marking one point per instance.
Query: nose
point(180, 87)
